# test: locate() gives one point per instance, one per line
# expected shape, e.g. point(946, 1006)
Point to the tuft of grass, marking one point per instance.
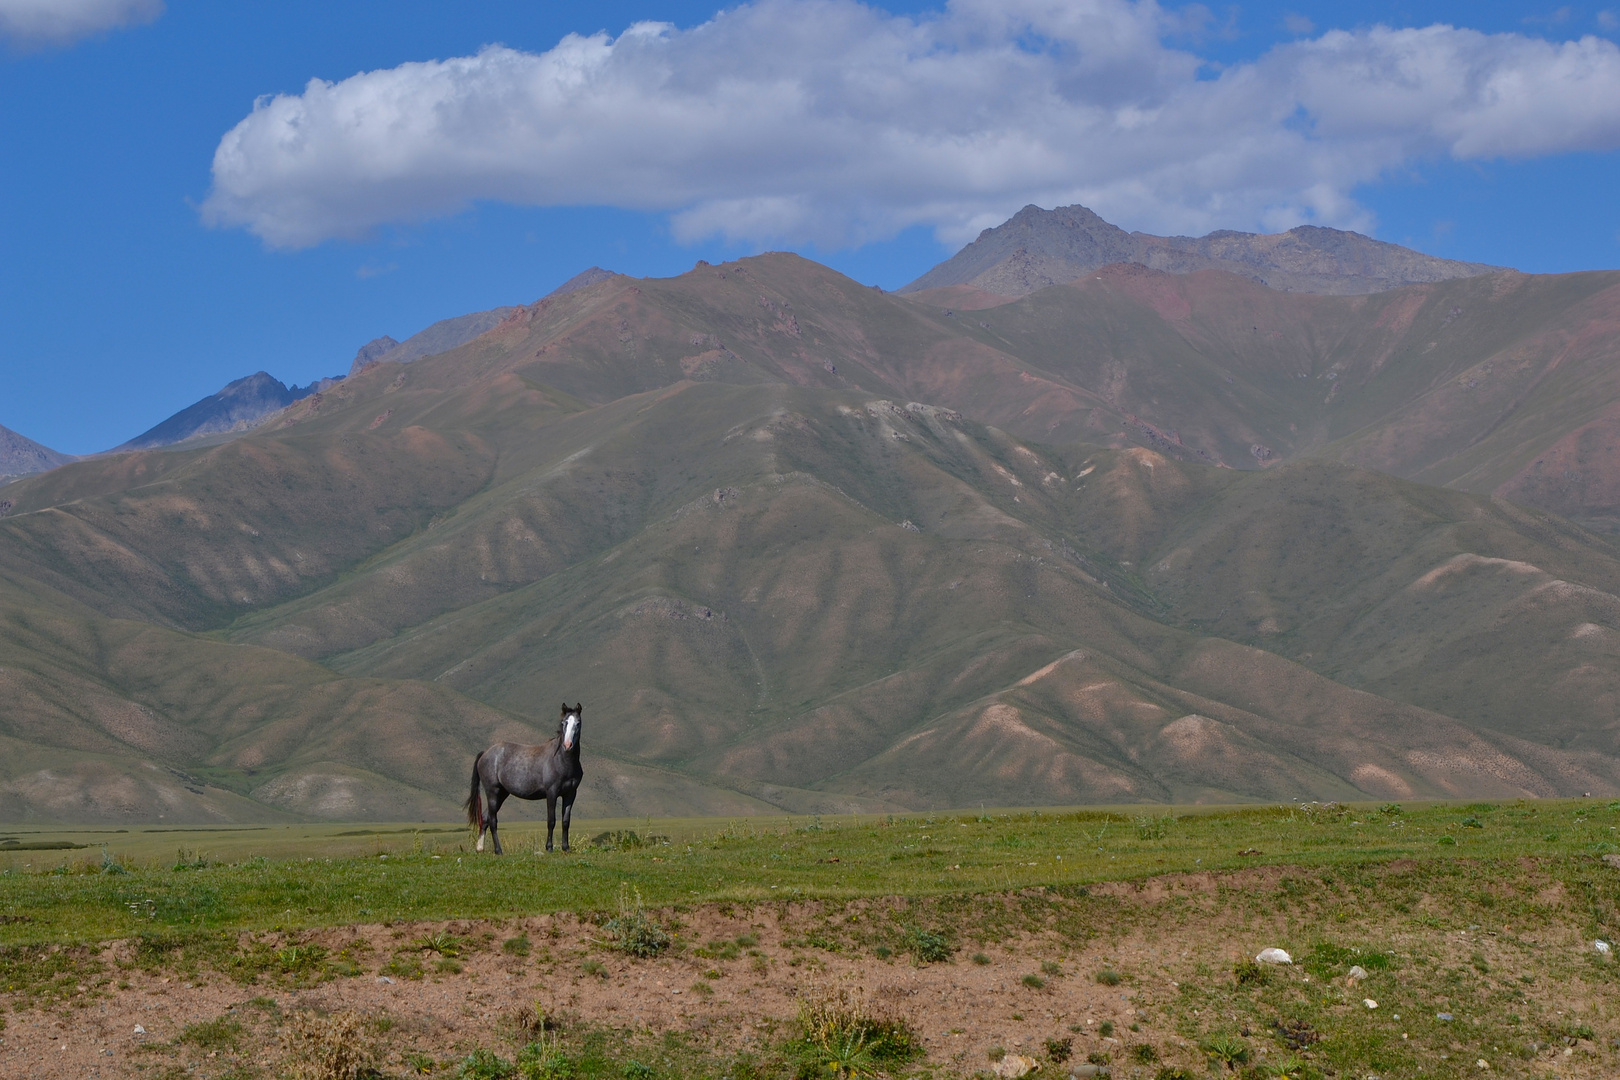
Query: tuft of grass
point(1106, 1028)
point(221, 1033)
point(440, 942)
point(594, 967)
point(981, 959)
point(1109, 977)
point(404, 966)
point(1058, 1050)
point(1227, 1050)
point(300, 959)
point(1249, 973)
point(1152, 828)
point(842, 1034)
point(484, 1064)
point(1049, 967)
point(1033, 981)
point(544, 1059)
point(517, 946)
point(720, 949)
point(327, 1047)
point(1144, 1054)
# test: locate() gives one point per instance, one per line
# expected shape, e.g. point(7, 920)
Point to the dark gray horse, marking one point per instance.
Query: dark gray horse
point(550, 771)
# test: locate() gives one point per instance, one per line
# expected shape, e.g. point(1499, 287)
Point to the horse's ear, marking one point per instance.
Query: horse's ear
point(565, 706)
point(579, 709)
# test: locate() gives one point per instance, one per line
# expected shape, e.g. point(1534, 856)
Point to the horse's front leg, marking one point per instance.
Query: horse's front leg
point(551, 822)
point(494, 825)
point(485, 819)
point(568, 816)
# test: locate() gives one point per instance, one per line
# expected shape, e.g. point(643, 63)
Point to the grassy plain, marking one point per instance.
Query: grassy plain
point(1078, 934)
point(126, 883)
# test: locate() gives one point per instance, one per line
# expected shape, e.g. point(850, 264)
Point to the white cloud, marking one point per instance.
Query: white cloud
point(824, 120)
point(61, 22)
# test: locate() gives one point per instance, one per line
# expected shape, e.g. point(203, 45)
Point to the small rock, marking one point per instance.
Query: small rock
point(1083, 1071)
point(1273, 956)
point(1370, 1003)
point(1357, 973)
point(1601, 946)
point(1613, 860)
point(1013, 1066)
point(1482, 1064)
point(139, 1030)
point(1444, 1016)
point(385, 979)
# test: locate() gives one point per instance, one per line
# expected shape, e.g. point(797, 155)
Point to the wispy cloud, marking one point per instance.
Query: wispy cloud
point(833, 122)
point(32, 23)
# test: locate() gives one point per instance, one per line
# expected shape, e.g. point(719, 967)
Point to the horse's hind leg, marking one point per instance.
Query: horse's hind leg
point(568, 816)
point(551, 822)
point(494, 826)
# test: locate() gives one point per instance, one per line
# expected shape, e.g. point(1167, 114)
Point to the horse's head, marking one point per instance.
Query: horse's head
point(568, 726)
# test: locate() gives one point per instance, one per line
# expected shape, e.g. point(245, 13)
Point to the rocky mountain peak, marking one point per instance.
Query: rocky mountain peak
point(1037, 248)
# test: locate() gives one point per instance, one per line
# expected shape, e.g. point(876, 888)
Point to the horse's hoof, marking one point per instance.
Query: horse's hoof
point(480, 845)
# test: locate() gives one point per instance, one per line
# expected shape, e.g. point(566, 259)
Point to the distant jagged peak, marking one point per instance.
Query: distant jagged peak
point(583, 279)
point(238, 406)
point(441, 337)
point(1036, 248)
point(372, 351)
point(22, 456)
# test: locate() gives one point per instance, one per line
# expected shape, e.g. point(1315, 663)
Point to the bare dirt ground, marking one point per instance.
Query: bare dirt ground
point(961, 1009)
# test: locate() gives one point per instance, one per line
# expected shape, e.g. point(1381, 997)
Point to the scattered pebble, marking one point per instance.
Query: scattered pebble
point(1601, 946)
point(1273, 956)
point(1013, 1066)
point(385, 979)
point(1357, 973)
point(1444, 1016)
point(1370, 1003)
point(139, 1030)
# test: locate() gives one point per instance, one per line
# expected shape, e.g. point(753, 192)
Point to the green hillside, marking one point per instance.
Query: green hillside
point(801, 544)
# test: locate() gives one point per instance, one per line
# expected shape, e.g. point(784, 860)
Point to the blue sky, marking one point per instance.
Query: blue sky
point(139, 273)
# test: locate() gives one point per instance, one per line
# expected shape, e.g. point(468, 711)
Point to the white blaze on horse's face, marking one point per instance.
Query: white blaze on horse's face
point(570, 730)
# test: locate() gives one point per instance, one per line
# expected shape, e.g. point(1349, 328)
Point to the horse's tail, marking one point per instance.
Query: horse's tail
point(474, 805)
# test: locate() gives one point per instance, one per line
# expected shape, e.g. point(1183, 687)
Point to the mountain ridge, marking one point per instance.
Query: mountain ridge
point(22, 456)
point(799, 543)
point(1037, 248)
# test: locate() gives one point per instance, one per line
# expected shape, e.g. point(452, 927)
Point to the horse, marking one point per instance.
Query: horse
point(550, 771)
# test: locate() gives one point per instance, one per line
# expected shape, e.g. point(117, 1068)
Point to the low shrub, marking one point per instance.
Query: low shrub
point(632, 931)
point(929, 947)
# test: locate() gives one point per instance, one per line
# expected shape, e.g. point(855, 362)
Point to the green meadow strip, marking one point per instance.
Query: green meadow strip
point(103, 892)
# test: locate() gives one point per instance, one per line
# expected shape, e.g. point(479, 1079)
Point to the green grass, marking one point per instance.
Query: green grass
point(65, 899)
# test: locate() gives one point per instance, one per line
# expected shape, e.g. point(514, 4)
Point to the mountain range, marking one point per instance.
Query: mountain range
point(1037, 248)
point(802, 544)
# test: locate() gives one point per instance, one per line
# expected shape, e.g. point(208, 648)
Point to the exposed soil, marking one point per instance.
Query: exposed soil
point(960, 1009)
